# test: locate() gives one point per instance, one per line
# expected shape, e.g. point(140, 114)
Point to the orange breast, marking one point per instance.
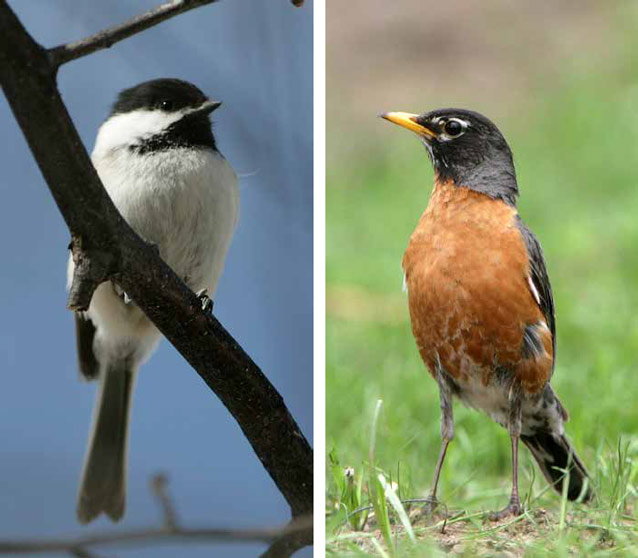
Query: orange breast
point(467, 272)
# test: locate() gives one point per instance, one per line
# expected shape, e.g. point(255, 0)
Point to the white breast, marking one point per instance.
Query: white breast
point(184, 200)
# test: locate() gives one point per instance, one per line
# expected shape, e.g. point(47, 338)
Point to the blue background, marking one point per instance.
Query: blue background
point(256, 57)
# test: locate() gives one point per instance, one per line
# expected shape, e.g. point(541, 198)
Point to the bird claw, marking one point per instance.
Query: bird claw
point(432, 511)
point(431, 505)
point(513, 509)
point(154, 247)
point(206, 301)
point(126, 299)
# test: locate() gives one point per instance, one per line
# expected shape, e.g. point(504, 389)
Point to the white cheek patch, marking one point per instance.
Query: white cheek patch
point(130, 128)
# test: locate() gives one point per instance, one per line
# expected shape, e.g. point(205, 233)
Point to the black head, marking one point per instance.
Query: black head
point(182, 114)
point(166, 94)
point(466, 148)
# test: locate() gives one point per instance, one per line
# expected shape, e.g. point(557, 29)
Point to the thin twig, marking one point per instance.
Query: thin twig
point(288, 543)
point(159, 486)
point(81, 553)
point(108, 37)
point(152, 535)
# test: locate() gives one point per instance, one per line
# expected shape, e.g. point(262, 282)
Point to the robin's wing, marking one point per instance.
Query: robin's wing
point(538, 277)
point(84, 335)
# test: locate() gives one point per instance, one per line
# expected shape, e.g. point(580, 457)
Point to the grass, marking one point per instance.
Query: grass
point(576, 163)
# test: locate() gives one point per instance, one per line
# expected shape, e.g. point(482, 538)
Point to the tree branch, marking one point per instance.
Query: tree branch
point(81, 553)
point(78, 546)
point(108, 37)
point(285, 541)
point(28, 78)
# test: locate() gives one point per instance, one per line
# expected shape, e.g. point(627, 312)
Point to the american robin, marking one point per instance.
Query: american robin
point(480, 299)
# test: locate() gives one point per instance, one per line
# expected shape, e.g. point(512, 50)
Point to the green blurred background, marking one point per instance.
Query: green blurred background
point(560, 79)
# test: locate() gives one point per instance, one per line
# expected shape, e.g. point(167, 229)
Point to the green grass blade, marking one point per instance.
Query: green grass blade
point(379, 548)
point(392, 497)
point(377, 492)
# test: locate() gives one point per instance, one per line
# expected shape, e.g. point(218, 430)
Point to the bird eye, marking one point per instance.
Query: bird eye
point(453, 128)
point(166, 104)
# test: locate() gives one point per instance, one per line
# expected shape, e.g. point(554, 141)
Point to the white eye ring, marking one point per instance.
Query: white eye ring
point(458, 129)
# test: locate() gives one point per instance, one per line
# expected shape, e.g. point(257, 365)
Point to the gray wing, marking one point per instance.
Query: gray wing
point(539, 277)
point(84, 335)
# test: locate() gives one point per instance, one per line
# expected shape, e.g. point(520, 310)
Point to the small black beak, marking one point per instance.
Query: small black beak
point(210, 106)
point(205, 108)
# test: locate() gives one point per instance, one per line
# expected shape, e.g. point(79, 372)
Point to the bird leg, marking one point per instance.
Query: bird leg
point(447, 433)
point(514, 508)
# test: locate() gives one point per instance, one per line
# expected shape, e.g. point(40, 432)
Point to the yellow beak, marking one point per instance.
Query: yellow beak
point(409, 121)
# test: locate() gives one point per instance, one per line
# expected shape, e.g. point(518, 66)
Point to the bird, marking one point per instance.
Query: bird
point(480, 300)
point(158, 160)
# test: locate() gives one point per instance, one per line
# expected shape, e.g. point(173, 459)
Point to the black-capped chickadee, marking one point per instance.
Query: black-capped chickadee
point(157, 158)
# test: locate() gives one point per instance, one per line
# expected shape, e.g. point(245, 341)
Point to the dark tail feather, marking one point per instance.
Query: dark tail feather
point(84, 335)
point(103, 485)
point(554, 455)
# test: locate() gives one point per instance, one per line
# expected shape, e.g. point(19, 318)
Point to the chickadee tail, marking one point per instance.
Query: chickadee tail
point(555, 455)
point(103, 485)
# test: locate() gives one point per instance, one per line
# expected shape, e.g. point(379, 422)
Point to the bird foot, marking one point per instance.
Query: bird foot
point(432, 510)
point(126, 299)
point(431, 505)
point(206, 301)
point(513, 509)
point(154, 247)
